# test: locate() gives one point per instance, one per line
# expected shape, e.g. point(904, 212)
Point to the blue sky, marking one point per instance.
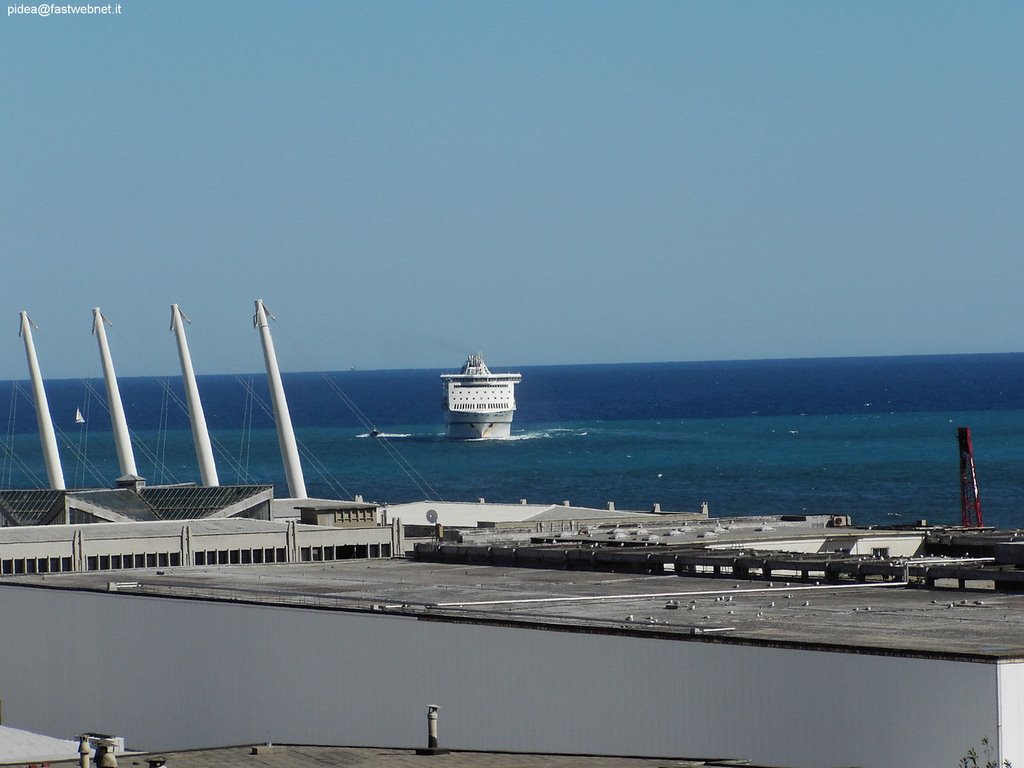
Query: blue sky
point(545, 182)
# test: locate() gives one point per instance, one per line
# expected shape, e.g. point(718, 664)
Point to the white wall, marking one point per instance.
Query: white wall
point(178, 674)
point(1011, 714)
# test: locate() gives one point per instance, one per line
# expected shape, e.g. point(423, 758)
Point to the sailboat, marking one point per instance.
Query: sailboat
point(79, 418)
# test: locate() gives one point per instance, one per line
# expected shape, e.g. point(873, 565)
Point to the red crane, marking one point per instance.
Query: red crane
point(970, 502)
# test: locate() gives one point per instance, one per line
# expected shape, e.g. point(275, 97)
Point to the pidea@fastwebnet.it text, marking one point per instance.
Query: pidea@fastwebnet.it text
point(52, 9)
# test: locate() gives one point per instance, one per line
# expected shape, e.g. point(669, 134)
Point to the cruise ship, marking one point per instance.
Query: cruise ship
point(479, 404)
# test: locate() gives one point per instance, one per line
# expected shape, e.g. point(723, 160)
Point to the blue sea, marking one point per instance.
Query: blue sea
point(874, 438)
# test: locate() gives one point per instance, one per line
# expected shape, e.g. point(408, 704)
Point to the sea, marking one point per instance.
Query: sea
point(874, 438)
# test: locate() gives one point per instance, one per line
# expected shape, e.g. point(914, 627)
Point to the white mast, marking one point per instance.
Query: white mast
point(125, 455)
point(54, 471)
point(283, 419)
point(200, 435)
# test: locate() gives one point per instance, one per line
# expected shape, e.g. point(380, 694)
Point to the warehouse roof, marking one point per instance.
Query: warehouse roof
point(873, 617)
point(178, 502)
point(276, 756)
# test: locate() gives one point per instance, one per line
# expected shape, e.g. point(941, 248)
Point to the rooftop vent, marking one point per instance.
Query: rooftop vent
point(132, 483)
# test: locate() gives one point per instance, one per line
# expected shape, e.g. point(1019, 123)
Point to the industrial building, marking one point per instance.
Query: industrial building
point(133, 501)
point(608, 647)
point(114, 547)
point(190, 618)
point(304, 755)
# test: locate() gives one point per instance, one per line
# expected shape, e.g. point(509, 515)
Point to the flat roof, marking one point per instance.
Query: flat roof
point(277, 756)
point(875, 618)
point(19, 746)
point(142, 529)
point(468, 514)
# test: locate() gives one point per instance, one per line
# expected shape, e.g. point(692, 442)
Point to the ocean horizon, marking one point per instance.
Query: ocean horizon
point(871, 437)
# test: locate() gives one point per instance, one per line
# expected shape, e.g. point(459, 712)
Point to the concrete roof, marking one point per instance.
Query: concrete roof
point(867, 618)
point(469, 514)
point(18, 746)
point(288, 508)
point(562, 512)
point(461, 513)
point(305, 756)
point(140, 530)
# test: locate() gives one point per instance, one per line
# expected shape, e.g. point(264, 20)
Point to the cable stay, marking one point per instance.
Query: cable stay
point(80, 448)
point(245, 444)
point(222, 451)
point(81, 451)
point(161, 435)
point(418, 480)
point(11, 457)
point(82, 463)
point(325, 474)
point(159, 468)
point(407, 468)
point(318, 466)
point(7, 473)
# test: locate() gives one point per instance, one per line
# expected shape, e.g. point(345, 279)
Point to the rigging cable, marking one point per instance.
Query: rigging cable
point(161, 435)
point(82, 455)
point(321, 469)
point(138, 442)
point(6, 474)
point(80, 450)
point(11, 456)
point(242, 472)
point(404, 464)
point(418, 480)
point(245, 446)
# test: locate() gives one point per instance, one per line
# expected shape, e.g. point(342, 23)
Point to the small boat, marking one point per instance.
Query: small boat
point(79, 418)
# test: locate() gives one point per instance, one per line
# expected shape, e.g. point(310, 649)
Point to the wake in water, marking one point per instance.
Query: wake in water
point(404, 437)
point(441, 437)
point(545, 434)
point(719, 432)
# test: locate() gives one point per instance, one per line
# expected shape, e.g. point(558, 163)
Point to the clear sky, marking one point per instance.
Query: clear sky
point(545, 182)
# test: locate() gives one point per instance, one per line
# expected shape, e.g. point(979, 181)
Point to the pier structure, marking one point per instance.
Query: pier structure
point(122, 439)
point(44, 419)
point(196, 415)
point(584, 661)
point(282, 417)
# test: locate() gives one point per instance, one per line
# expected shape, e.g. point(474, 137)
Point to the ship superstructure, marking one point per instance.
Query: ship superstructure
point(479, 404)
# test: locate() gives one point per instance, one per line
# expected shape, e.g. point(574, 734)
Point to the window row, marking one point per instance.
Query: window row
point(121, 562)
point(33, 565)
point(241, 556)
point(344, 552)
point(29, 565)
point(17, 566)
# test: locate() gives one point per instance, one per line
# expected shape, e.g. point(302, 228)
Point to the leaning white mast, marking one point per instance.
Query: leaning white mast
point(283, 419)
point(123, 441)
point(54, 471)
point(200, 434)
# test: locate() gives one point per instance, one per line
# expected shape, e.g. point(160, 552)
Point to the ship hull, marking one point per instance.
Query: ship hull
point(479, 426)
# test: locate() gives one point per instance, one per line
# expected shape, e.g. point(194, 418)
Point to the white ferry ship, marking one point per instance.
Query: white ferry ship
point(479, 404)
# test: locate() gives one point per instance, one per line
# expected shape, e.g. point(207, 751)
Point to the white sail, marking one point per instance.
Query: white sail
point(79, 418)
